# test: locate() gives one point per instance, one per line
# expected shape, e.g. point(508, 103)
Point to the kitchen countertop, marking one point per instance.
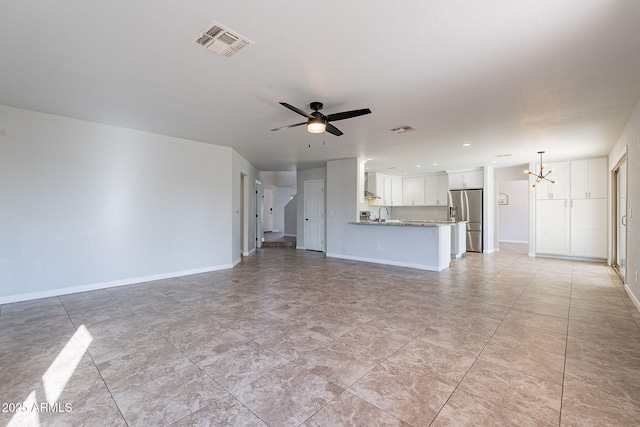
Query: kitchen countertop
point(405, 223)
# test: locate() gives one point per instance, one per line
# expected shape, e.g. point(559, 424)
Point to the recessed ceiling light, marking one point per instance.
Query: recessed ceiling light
point(466, 144)
point(434, 164)
point(418, 166)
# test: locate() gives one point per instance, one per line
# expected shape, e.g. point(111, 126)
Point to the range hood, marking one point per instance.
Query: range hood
point(369, 195)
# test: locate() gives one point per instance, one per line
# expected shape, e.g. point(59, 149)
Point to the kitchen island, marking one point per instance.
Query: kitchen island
point(425, 245)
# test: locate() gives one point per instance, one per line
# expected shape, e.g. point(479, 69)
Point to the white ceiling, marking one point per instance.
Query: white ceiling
point(509, 77)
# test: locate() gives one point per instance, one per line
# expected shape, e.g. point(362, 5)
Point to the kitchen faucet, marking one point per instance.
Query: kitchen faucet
point(379, 209)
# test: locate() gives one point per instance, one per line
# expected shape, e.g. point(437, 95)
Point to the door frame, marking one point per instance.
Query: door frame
point(615, 193)
point(258, 204)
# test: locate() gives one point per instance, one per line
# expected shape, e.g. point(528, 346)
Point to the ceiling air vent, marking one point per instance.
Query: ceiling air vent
point(221, 40)
point(403, 129)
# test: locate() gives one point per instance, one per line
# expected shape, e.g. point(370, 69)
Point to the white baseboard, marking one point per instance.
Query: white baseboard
point(290, 235)
point(635, 300)
point(251, 252)
point(387, 262)
point(300, 247)
point(103, 285)
point(513, 241)
point(570, 258)
point(236, 262)
point(489, 251)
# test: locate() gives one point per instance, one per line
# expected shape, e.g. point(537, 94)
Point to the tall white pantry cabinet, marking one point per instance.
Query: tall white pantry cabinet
point(571, 217)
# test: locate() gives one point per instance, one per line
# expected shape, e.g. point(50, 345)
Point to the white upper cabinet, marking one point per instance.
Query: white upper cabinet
point(375, 184)
point(589, 179)
point(436, 188)
point(387, 193)
point(396, 191)
point(545, 189)
point(387, 187)
point(464, 180)
point(413, 191)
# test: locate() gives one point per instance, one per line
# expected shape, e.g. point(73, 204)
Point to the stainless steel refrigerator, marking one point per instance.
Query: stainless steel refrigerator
point(466, 205)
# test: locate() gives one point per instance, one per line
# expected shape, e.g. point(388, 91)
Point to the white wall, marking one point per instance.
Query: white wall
point(285, 179)
point(513, 219)
point(283, 197)
point(291, 217)
point(514, 173)
point(302, 176)
point(85, 205)
point(630, 141)
point(489, 207)
point(342, 201)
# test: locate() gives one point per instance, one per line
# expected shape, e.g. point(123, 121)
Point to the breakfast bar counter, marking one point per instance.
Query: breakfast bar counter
point(424, 245)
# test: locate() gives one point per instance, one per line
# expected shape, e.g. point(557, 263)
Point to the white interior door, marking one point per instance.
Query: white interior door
point(269, 195)
point(314, 215)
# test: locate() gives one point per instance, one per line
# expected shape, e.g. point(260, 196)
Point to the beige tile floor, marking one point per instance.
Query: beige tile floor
point(292, 338)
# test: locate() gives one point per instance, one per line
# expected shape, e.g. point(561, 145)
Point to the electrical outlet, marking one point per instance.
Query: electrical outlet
point(174, 257)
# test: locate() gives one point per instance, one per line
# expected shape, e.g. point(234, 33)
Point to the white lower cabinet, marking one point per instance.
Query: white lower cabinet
point(589, 228)
point(552, 227)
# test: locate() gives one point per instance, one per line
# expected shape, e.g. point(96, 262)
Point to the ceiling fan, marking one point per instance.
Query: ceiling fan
point(318, 122)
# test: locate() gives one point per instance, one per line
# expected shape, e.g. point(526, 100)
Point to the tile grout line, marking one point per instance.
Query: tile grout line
point(187, 357)
point(566, 346)
point(95, 366)
point(485, 346)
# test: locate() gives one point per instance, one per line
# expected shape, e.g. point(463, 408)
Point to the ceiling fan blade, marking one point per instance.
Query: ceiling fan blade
point(297, 110)
point(333, 130)
point(347, 114)
point(290, 126)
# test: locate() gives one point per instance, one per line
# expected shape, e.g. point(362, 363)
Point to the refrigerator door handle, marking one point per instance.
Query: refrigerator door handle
point(465, 206)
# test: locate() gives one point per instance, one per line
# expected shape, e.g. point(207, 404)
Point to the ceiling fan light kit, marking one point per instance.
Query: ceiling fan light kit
point(318, 122)
point(541, 176)
point(316, 125)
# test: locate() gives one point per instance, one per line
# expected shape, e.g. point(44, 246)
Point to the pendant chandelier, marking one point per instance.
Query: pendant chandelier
point(541, 175)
